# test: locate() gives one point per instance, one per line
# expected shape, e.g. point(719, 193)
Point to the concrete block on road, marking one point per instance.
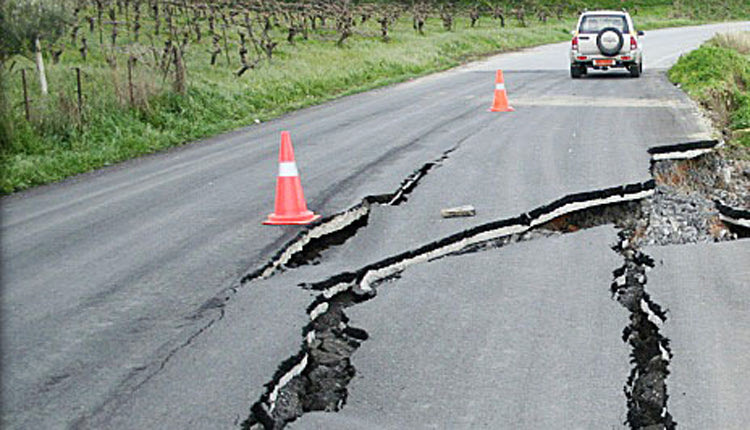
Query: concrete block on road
point(460, 211)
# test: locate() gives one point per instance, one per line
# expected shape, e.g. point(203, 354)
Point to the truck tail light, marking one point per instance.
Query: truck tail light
point(633, 43)
point(574, 44)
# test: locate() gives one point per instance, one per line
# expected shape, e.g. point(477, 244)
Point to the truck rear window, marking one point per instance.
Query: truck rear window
point(595, 23)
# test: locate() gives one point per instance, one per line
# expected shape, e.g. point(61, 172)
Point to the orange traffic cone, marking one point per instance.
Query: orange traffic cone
point(500, 104)
point(290, 205)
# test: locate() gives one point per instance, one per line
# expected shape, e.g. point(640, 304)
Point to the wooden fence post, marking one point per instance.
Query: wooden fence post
point(131, 60)
point(80, 93)
point(25, 95)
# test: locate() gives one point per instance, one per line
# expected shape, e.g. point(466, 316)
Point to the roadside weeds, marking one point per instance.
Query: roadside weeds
point(717, 76)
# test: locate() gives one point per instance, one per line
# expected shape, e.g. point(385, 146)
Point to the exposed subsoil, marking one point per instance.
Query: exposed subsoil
point(684, 206)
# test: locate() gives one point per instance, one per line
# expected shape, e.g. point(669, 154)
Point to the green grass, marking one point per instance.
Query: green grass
point(717, 75)
point(55, 144)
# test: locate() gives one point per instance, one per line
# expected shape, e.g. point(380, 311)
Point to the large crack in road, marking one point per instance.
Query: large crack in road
point(308, 246)
point(316, 378)
point(338, 228)
point(646, 387)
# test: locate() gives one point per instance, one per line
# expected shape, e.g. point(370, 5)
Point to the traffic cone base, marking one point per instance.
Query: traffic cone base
point(508, 109)
point(299, 219)
point(290, 207)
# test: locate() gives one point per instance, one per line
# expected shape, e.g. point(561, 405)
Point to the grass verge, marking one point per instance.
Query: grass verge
point(717, 75)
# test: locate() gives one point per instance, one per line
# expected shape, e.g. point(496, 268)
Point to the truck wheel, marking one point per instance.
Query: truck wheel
point(635, 70)
point(575, 71)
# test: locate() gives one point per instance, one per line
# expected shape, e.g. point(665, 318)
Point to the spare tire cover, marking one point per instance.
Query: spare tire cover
point(609, 41)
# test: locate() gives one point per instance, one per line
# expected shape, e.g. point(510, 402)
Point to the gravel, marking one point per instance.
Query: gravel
point(683, 210)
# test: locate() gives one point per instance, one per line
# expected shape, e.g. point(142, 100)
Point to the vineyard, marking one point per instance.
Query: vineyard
point(86, 83)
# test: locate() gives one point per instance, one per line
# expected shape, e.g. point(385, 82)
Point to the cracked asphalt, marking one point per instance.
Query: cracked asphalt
point(521, 343)
point(114, 283)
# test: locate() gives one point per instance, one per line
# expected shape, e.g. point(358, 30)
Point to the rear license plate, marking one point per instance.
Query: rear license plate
point(604, 62)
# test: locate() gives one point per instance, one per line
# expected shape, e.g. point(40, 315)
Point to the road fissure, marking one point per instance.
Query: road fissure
point(336, 229)
point(316, 378)
point(646, 385)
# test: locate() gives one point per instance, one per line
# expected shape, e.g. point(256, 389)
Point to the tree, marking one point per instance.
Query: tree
point(25, 24)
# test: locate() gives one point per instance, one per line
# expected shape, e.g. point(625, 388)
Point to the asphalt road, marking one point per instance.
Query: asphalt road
point(108, 278)
point(705, 288)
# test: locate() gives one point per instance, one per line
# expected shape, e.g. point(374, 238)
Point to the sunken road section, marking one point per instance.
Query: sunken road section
point(315, 379)
point(317, 376)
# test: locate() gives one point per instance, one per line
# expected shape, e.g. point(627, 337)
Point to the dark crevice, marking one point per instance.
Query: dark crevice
point(646, 386)
point(737, 220)
point(312, 252)
point(738, 231)
point(611, 214)
point(410, 184)
point(683, 150)
point(321, 385)
point(335, 229)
